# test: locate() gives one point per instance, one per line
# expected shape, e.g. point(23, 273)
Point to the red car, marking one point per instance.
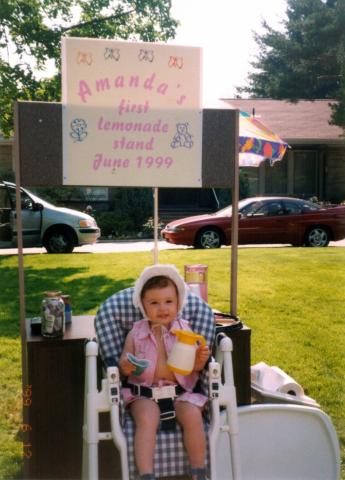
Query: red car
point(262, 220)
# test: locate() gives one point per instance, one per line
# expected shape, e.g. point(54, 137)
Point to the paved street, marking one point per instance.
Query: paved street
point(132, 246)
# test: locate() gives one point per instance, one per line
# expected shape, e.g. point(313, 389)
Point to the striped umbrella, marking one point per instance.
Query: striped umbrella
point(258, 142)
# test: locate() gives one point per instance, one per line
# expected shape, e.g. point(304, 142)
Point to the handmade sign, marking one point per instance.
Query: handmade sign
point(131, 114)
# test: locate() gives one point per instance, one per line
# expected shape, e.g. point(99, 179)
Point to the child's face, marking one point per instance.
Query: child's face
point(161, 305)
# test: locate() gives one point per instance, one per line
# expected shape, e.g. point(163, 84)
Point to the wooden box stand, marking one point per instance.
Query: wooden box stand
point(56, 371)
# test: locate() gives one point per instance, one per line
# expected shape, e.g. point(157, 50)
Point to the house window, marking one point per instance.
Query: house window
point(251, 177)
point(305, 172)
point(96, 194)
point(276, 177)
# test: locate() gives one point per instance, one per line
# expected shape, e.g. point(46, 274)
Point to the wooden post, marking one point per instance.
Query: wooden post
point(234, 227)
point(21, 282)
point(155, 225)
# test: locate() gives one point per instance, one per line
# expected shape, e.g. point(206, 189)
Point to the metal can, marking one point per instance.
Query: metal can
point(53, 315)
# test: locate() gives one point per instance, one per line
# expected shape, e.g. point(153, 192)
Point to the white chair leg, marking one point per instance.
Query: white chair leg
point(228, 399)
point(214, 371)
point(107, 400)
point(91, 419)
point(113, 378)
point(224, 394)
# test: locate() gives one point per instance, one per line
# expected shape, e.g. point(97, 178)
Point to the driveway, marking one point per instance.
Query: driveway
point(108, 246)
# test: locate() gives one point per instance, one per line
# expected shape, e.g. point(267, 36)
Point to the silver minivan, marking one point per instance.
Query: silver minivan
point(58, 229)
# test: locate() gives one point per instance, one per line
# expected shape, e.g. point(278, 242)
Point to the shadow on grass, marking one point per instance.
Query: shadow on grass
point(87, 293)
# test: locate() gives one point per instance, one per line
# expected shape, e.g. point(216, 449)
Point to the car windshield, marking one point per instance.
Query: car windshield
point(26, 198)
point(36, 199)
point(292, 205)
point(226, 212)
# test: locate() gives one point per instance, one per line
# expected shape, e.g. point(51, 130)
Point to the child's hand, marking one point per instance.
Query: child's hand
point(201, 357)
point(126, 367)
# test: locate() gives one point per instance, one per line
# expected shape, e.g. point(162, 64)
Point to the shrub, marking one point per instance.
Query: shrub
point(148, 227)
point(114, 224)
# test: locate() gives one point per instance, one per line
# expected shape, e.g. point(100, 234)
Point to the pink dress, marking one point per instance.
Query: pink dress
point(145, 347)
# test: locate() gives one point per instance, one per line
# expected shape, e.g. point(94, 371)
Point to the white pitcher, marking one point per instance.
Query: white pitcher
point(182, 356)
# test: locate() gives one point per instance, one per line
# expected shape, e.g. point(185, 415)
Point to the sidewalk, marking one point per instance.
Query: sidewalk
point(109, 246)
point(105, 246)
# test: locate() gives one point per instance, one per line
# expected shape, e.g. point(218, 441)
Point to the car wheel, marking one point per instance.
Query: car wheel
point(317, 237)
point(59, 241)
point(208, 238)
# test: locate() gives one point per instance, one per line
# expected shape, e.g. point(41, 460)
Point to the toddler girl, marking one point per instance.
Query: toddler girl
point(160, 294)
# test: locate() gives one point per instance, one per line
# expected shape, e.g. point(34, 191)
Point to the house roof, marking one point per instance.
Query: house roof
point(302, 122)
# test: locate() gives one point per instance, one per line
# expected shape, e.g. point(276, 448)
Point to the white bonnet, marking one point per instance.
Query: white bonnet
point(169, 271)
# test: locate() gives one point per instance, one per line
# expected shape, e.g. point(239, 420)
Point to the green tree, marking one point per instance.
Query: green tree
point(31, 31)
point(307, 59)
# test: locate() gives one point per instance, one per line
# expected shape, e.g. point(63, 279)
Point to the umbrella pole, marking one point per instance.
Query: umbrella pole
point(234, 225)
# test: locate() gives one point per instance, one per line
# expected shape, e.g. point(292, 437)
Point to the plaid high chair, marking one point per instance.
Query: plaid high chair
point(114, 320)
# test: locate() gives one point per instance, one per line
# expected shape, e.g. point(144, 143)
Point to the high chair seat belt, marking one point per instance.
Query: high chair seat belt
point(156, 393)
point(164, 396)
point(168, 415)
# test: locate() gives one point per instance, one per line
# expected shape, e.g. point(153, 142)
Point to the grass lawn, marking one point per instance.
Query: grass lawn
point(291, 298)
